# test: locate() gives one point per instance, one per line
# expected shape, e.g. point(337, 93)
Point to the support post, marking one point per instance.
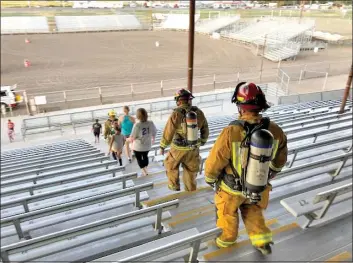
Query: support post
point(300, 77)
point(191, 43)
point(158, 224)
point(214, 81)
point(346, 92)
point(195, 248)
point(100, 95)
point(65, 98)
point(162, 88)
point(26, 102)
point(325, 81)
point(137, 199)
point(11, 111)
point(263, 57)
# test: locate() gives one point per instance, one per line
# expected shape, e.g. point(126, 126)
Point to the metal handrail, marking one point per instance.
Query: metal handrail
point(22, 151)
point(45, 154)
point(192, 242)
point(316, 164)
point(66, 207)
point(34, 178)
point(88, 228)
point(25, 200)
point(51, 157)
point(30, 189)
point(42, 150)
point(63, 160)
point(52, 168)
point(42, 146)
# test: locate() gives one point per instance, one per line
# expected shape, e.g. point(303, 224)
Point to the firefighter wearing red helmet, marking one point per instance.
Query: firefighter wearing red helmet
point(246, 155)
point(185, 131)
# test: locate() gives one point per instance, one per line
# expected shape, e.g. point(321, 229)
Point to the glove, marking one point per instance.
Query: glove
point(161, 151)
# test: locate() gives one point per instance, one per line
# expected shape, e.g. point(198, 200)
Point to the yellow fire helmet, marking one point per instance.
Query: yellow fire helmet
point(111, 113)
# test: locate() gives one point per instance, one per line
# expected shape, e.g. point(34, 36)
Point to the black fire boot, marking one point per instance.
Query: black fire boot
point(265, 249)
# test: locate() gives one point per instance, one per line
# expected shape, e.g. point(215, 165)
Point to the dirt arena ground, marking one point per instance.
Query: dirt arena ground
point(113, 60)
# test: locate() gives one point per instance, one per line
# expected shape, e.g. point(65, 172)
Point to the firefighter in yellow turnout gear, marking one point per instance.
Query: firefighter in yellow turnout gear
point(181, 132)
point(109, 125)
point(234, 182)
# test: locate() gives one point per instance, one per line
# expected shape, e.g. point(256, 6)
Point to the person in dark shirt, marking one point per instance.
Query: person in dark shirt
point(97, 130)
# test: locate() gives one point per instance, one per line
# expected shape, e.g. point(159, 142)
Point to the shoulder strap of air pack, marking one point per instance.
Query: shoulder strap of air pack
point(237, 122)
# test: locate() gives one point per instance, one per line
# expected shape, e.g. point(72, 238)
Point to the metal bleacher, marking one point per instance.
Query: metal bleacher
point(177, 21)
point(213, 25)
point(92, 211)
point(24, 24)
point(97, 23)
point(281, 36)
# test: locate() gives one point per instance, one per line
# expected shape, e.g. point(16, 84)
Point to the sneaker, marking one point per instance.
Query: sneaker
point(130, 160)
point(266, 249)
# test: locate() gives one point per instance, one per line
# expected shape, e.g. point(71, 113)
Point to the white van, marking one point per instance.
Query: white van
point(9, 98)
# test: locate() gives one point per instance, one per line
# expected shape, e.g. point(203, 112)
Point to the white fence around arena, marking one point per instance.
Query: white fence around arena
point(280, 77)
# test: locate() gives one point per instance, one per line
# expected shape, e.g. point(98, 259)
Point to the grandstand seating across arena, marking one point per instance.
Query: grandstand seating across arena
point(97, 23)
point(67, 208)
point(177, 21)
point(214, 25)
point(24, 24)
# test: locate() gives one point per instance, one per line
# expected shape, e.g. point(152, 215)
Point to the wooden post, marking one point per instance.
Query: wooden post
point(346, 92)
point(191, 44)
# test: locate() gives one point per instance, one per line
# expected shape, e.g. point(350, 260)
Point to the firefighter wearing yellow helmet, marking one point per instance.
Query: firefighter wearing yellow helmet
point(109, 125)
point(182, 134)
point(246, 155)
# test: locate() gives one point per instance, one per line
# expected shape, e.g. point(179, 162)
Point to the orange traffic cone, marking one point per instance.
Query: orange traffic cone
point(26, 63)
point(27, 41)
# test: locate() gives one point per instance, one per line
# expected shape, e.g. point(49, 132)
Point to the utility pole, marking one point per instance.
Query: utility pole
point(263, 56)
point(346, 92)
point(191, 43)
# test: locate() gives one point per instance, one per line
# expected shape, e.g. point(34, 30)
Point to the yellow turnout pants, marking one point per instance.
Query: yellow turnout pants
point(227, 206)
point(190, 161)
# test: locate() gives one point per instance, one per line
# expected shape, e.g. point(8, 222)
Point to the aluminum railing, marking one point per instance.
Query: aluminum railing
point(69, 234)
point(58, 182)
point(43, 150)
point(215, 133)
point(24, 201)
point(317, 164)
point(192, 242)
point(16, 220)
point(44, 153)
point(34, 178)
point(37, 171)
point(308, 208)
point(61, 161)
point(51, 157)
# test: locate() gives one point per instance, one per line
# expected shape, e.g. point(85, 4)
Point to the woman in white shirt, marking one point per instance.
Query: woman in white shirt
point(142, 136)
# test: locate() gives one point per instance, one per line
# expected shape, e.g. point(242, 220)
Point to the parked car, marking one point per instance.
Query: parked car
point(9, 97)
